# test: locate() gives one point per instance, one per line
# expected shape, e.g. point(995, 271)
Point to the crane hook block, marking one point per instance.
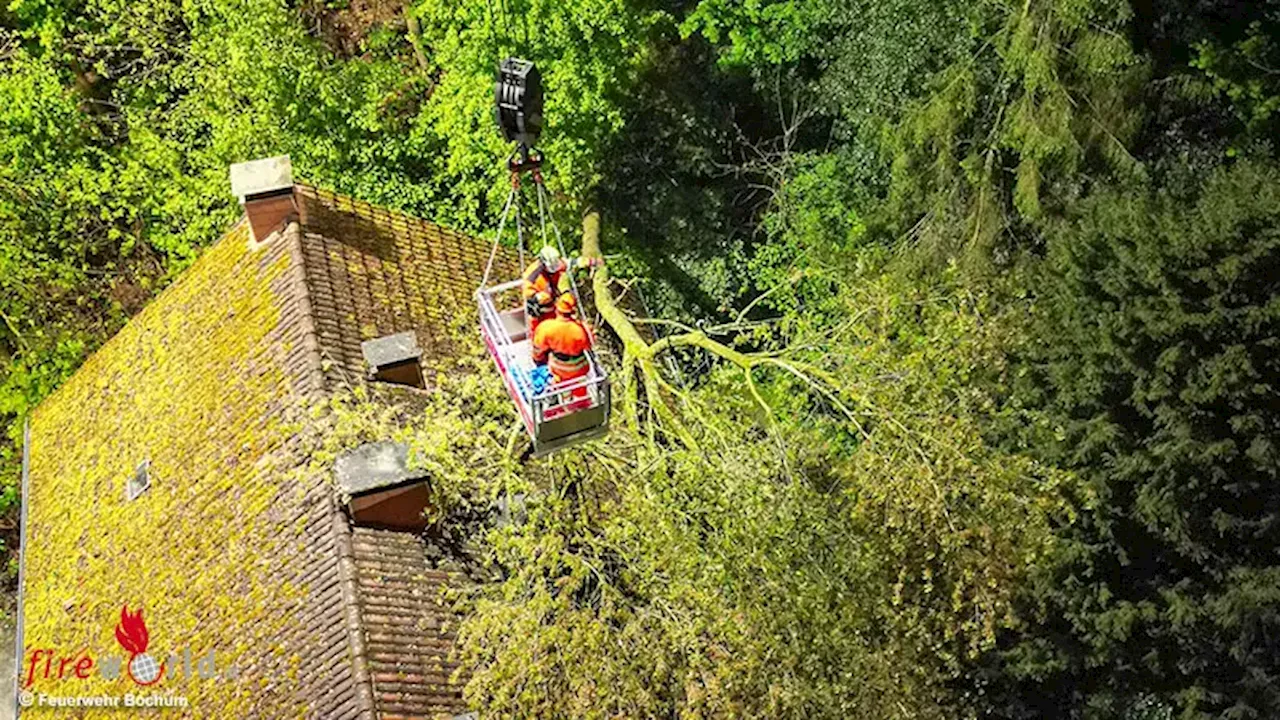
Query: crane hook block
point(518, 96)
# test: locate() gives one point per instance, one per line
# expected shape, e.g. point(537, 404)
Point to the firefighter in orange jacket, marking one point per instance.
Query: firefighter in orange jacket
point(545, 280)
point(562, 342)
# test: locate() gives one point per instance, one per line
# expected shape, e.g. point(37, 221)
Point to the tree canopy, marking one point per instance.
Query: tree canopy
point(956, 396)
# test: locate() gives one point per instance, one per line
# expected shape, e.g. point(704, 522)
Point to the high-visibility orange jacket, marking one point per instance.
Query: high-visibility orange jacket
point(540, 290)
point(562, 343)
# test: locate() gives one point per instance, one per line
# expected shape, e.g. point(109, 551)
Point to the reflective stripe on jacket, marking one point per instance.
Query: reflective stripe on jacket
point(566, 367)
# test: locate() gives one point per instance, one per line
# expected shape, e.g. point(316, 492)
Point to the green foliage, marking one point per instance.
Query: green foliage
point(1159, 597)
point(672, 185)
point(759, 32)
point(805, 564)
point(873, 56)
point(1054, 93)
point(825, 177)
point(590, 53)
point(1247, 72)
point(816, 239)
point(953, 94)
point(1155, 361)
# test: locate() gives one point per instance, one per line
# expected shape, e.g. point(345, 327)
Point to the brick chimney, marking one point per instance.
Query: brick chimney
point(265, 189)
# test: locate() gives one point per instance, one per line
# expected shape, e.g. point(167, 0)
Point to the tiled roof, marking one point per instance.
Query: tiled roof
point(373, 272)
point(409, 630)
point(226, 551)
point(361, 632)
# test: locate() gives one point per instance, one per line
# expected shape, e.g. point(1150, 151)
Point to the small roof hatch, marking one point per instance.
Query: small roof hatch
point(380, 488)
point(394, 359)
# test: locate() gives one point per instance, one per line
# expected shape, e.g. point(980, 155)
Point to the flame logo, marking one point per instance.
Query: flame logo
point(131, 633)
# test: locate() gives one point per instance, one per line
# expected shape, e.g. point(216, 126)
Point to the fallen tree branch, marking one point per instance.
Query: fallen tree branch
point(639, 355)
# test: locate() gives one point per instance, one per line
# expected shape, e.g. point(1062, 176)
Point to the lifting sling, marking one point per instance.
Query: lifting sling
point(556, 415)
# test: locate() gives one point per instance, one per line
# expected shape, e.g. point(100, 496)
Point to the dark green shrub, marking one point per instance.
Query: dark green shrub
point(1154, 371)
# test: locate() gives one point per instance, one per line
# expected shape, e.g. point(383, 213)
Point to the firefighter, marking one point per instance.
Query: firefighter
point(545, 280)
point(562, 342)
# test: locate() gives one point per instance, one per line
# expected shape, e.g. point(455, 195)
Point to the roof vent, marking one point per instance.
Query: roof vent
point(265, 189)
point(394, 359)
point(139, 482)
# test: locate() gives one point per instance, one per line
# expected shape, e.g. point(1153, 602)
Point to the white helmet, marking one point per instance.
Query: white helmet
point(550, 256)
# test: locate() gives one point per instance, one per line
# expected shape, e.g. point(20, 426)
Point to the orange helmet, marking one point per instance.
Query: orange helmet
point(566, 304)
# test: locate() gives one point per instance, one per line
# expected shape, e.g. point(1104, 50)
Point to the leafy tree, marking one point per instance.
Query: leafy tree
point(1218, 60)
point(793, 536)
point(590, 53)
point(863, 60)
point(1246, 72)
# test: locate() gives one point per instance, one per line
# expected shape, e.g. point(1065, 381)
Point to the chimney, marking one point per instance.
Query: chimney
point(265, 189)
